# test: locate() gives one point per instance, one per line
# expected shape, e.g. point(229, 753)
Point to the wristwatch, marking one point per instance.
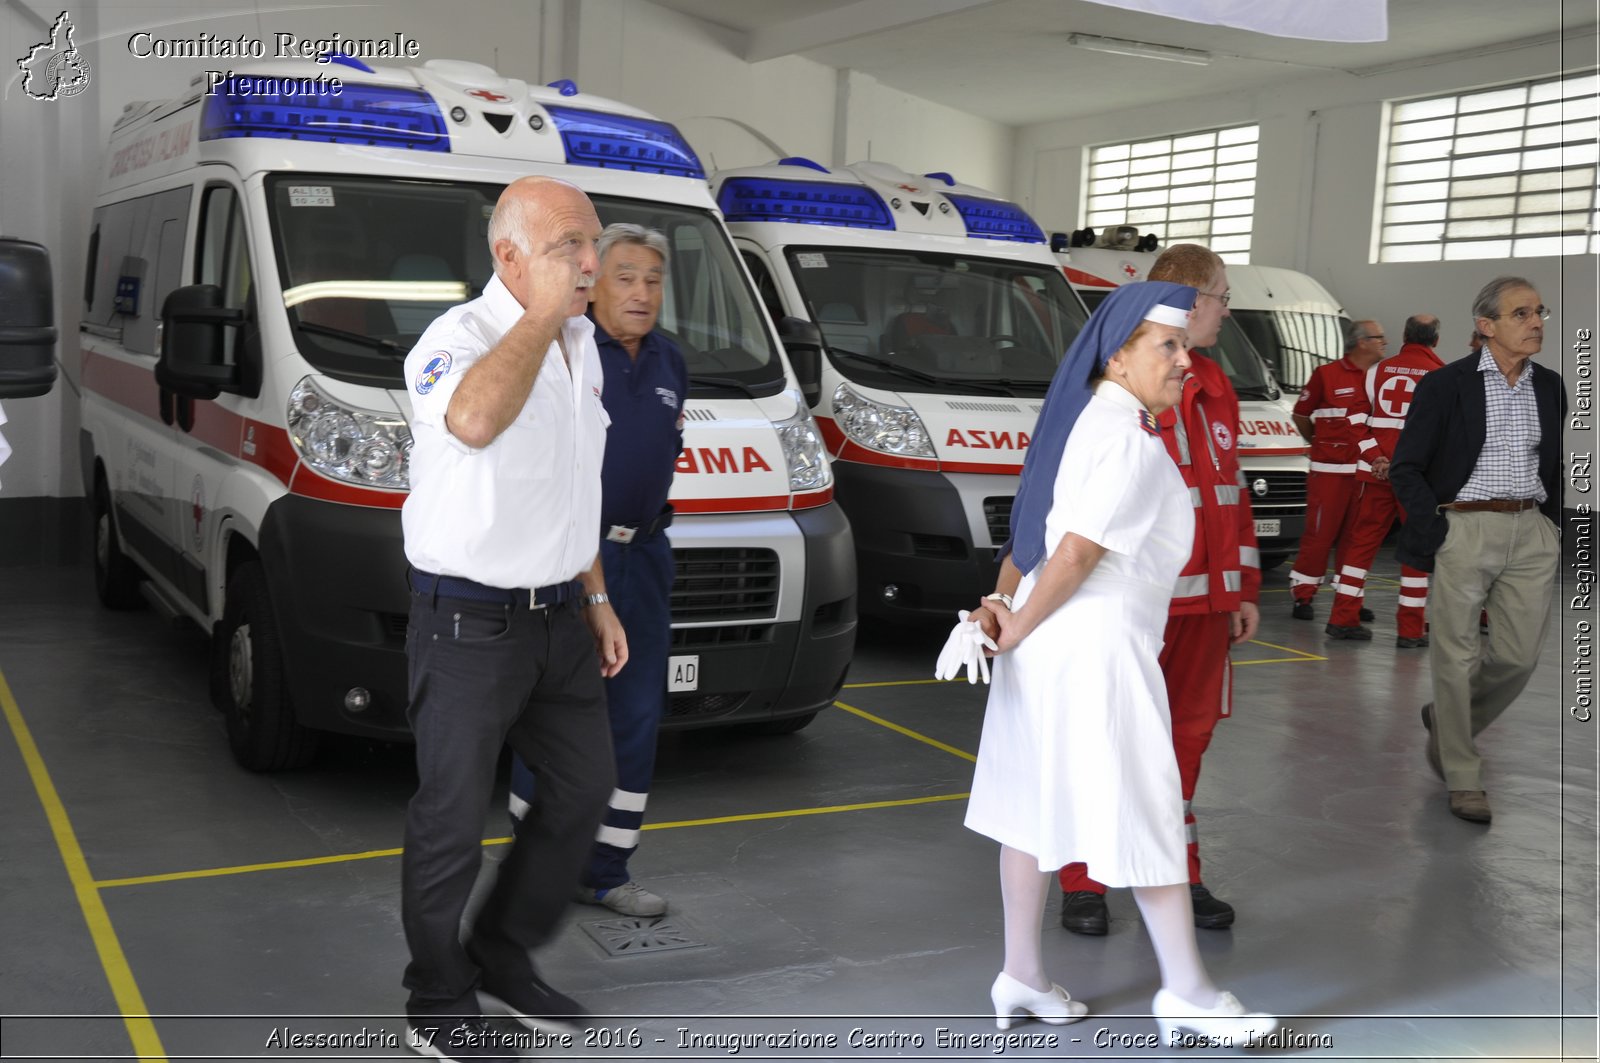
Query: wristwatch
point(1003, 598)
point(594, 599)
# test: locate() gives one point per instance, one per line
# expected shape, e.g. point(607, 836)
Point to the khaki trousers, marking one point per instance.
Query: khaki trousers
point(1505, 563)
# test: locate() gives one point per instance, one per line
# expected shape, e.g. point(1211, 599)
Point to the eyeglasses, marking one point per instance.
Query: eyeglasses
point(1380, 339)
point(1224, 298)
point(1522, 315)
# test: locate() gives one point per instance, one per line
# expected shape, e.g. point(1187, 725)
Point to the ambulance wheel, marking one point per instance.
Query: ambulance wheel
point(786, 726)
point(116, 577)
point(248, 674)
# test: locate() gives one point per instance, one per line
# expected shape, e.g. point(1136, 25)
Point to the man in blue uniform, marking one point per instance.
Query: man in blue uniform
point(646, 383)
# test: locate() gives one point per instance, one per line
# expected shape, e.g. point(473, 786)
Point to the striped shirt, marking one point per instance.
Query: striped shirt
point(1508, 465)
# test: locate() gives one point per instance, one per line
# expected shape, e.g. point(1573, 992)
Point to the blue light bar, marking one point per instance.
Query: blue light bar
point(618, 142)
point(809, 202)
point(996, 219)
point(566, 86)
point(350, 61)
point(941, 175)
point(374, 116)
point(801, 160)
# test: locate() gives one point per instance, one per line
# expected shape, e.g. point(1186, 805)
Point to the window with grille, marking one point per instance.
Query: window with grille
point(1198, 187)
point(1506, 172)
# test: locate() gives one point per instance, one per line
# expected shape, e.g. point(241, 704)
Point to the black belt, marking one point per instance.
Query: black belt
point(629, 533)
point(472, 591)
point(1492, 505)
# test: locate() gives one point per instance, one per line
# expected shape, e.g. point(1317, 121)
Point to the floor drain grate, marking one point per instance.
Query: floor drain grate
point(636, 935)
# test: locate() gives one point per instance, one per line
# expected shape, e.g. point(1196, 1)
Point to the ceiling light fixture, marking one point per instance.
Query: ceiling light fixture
point(1118, 46)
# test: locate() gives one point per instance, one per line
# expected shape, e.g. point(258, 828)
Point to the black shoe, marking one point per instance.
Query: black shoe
point(1367, 615)
point(1355, 632)
point(1303, 611)
point(458, 1037)
point(1209, 912)
point(1084, 912)
point(1411, 644)
point(534, 1004)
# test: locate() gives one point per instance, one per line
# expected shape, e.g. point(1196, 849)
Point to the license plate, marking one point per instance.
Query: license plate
point(683, 673)
point(1268, 528)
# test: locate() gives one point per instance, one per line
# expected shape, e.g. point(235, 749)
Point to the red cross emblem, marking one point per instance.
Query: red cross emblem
point(908, 188)
point(1394, 398)
point(1128, 268)
point(487, 96)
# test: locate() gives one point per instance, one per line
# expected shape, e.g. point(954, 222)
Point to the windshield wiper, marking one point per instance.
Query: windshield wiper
point(728, 382)
point(375, 342)
point(992, 387)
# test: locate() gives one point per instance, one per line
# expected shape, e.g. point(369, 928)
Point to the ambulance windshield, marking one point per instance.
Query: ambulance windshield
point(1248, 371)
point(366, 264)
point(1295, 342)
point(916, 321)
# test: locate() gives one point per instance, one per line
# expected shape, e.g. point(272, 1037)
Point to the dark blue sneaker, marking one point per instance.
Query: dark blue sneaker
point(454, 1037)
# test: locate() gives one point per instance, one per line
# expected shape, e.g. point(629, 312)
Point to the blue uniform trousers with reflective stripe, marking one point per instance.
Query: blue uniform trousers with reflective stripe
point(639, 583)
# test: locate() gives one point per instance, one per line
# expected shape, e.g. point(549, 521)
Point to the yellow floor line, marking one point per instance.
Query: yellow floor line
point(900, 683)
point(1304, 656)
point(908, 732)
point(135, 1015)
point(1280, 660)
point(375, 854)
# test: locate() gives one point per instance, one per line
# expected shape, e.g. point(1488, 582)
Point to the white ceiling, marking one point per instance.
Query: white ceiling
point(1009, 61)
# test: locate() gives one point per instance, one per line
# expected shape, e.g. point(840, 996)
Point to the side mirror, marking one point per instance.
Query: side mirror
point(27, 320)
point(193, 348)
point(802, 342)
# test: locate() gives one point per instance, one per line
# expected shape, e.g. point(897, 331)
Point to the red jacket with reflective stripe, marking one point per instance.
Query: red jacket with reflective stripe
point(1335, 398)
point(1389, 386)
point(1224, 567)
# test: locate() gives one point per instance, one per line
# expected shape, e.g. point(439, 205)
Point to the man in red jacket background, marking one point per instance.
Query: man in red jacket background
point(1390, 385)
point(1332, 415)
point(1214, 604)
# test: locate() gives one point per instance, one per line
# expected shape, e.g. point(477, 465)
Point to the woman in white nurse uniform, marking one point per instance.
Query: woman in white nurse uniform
point(1101, 527)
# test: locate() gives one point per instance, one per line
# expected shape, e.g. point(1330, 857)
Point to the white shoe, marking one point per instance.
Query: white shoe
point(1055, 1007)
point(630, 898)
point(1227, 1019)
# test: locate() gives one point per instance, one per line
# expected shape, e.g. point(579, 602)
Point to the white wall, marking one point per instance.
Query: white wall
point(687, 71)
point(1316, 188)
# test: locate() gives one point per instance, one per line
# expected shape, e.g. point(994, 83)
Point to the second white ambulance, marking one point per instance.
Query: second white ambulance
point(943, 316)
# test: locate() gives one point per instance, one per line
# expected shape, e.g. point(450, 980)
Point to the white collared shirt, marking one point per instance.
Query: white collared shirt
point(523, 511)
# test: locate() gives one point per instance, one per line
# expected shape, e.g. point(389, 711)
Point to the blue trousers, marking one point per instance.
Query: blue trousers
point(639, 583)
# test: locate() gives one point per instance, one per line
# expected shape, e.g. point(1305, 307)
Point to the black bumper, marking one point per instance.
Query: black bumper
point(750, 673)
point(911, 533)
point(337, 574)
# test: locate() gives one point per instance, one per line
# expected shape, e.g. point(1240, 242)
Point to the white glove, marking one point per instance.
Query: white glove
point(964, 648)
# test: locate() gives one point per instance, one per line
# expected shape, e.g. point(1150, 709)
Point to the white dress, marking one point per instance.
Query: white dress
point(1076, 760)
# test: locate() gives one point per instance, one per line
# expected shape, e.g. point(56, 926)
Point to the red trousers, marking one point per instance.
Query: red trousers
point(1330, 511)
point(1376, 509)
point(1194, 662)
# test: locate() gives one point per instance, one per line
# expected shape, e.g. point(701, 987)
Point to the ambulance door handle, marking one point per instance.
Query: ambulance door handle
point(164, 404)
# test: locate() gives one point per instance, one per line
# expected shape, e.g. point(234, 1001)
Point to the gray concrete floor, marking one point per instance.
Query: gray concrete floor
point(825, 875)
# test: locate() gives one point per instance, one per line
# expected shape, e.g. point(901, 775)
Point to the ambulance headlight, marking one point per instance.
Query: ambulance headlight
point(347, 443)
point(803, 451)
point(879, 426)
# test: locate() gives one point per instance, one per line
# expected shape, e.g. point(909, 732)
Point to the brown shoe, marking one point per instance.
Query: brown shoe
point(1470, 805)
point(1433, 742)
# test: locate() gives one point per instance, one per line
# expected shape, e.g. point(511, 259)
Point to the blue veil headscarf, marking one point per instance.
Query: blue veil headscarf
point(1107, 329)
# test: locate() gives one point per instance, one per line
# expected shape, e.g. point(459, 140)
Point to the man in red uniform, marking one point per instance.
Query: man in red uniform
point(1214, 604)
point(1332, 415)
point(1390, 385)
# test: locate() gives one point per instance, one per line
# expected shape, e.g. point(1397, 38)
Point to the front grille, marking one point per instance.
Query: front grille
point(938, 547)
point(997, 514)
point(1282, 489)
point(704, 704)
point(729, 635)
point(724, 583)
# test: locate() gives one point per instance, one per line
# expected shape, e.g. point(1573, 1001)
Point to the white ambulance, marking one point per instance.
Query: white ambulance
point(247, 470)
point(1293, 320)
point(943, 316)
point(1273, 456)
